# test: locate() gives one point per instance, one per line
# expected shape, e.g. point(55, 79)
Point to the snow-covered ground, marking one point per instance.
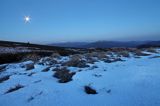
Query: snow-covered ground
point(13, 50)
point(133, 82)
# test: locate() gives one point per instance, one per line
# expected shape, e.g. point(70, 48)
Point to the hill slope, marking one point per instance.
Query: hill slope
point(118, 81)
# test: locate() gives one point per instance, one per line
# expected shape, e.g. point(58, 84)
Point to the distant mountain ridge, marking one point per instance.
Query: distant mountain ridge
point(70, 44)
point(108, 44)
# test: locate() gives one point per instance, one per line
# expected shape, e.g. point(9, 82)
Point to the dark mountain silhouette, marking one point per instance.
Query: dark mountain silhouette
point(150, 44)
point(109, 44)
point(70, 44)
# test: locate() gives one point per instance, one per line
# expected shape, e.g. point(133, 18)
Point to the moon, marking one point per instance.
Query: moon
point(27, 19)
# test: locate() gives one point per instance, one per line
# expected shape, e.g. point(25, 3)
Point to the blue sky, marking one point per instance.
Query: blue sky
point(79, 20)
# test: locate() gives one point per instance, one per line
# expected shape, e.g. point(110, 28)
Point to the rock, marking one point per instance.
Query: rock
point(30, 74)
point(2, 67)
point(109, 91)
point(90, 90)
point(46, 69)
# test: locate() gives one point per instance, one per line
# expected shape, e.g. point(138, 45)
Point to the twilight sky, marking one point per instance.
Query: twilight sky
point(79, 20)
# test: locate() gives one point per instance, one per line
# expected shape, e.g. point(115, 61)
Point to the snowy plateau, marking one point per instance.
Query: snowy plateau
point(115, 78)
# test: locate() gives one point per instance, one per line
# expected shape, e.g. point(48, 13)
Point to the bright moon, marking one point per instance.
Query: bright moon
point(27, 19)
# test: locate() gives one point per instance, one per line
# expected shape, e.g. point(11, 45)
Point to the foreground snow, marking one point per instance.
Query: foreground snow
point(134, 82)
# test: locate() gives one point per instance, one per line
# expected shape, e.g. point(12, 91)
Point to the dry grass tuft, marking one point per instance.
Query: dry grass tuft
point(63, 75)
point(76, 61)
point(12, 89)
point(29, 66)
point(4, 78)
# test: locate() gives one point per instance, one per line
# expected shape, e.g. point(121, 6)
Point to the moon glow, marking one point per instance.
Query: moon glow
point(27, 19)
